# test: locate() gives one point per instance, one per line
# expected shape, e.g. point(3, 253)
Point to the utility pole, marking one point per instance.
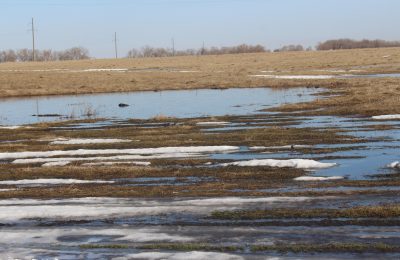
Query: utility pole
point(173, 47)
point(33, 40)
point(116, 45)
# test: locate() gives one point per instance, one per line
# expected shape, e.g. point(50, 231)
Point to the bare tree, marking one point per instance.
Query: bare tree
point(148, 51)
point(341, 44)
point(291, 47)
point(8, 56)
point(75, 53)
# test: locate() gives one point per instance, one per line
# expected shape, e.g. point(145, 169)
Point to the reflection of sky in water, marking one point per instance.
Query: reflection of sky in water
point(375, 155)
point(382, 147)
point(186, 103)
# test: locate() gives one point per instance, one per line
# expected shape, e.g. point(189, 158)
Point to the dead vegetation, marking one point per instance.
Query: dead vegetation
point(388, 211)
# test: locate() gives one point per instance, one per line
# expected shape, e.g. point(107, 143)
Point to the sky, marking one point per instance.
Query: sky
point(61, 24)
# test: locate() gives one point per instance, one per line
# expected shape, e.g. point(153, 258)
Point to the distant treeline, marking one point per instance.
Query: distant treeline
point(149, 51)
point(75, 53)
point(80, 53)
point(342, 44)
point(293, 47)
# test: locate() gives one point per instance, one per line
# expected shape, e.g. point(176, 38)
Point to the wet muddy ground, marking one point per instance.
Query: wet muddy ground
point(242, 183)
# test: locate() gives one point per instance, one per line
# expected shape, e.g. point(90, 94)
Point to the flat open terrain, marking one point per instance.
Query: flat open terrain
point(359, 95)
point(249, 173)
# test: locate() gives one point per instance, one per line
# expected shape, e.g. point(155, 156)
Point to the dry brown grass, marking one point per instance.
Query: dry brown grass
point(359, 96)
point(163, 73)
point(362, 97)
point(387, 211)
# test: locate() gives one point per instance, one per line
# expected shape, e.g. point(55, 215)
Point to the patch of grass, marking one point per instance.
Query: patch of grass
point(328, 248)
point(191, 247)
point(356, 212)
point(334, 247)
point(104, 246)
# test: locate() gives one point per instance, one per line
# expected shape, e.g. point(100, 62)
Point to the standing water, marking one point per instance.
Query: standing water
point(144, 105)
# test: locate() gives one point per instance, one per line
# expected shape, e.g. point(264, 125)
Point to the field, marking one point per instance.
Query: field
point(312, 173)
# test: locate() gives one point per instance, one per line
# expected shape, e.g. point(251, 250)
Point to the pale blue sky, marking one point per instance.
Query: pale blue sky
point(91, 23)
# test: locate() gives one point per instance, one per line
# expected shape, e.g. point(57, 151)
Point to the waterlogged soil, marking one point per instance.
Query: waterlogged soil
point(144, 105)
point(167, 208)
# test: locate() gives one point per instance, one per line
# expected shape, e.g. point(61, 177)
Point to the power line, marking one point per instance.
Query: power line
point(173, 47)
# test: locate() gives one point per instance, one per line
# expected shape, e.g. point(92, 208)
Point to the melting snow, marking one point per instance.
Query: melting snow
point(64, 161)
point(12, 210)
point(56, 163)
point(51, 182)
point(101, 70)
point(11, 127)
point(140, 151)
point(50, 236)
point(295, 76)
point(292, 163)
point(212, 123)
point(314, 178)
point(188, 71)
point(116, 163)
point(88, 141)
point(386, 117)
point(394, 165)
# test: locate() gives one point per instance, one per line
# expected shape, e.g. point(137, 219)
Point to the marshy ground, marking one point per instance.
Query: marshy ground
point(277, 178)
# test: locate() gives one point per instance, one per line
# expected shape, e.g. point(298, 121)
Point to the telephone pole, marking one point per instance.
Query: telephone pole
point(173, 47)
point(115, 45)
point(33, 41)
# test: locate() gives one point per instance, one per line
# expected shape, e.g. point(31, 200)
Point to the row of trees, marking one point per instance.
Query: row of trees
point(76, 53)
point(80, 53)
point(341, 44)
point(292, 48)
point(149, 51)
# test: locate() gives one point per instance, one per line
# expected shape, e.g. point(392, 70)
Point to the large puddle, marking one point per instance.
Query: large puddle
point(144, 105)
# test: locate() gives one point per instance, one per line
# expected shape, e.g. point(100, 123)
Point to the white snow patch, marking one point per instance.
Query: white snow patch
point(332, 70)
point(89, 141)
point(139, 151)
point(295, 76)
point(117, 163)
point(188, 71)
point(50, 236)
point(386, 117)
point(11, 127)
point(56, 163)
point(51, 182)
point(394, 165)
point(102, 70)
point(212, 123)
point(255, 148)
point(291, 163)
point(314, 178)
point(63, 161)
point(193, 255)
point(12, 210)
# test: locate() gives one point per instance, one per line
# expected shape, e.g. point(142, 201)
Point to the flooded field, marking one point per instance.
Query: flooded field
point(145, 105)
point(194, 175)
